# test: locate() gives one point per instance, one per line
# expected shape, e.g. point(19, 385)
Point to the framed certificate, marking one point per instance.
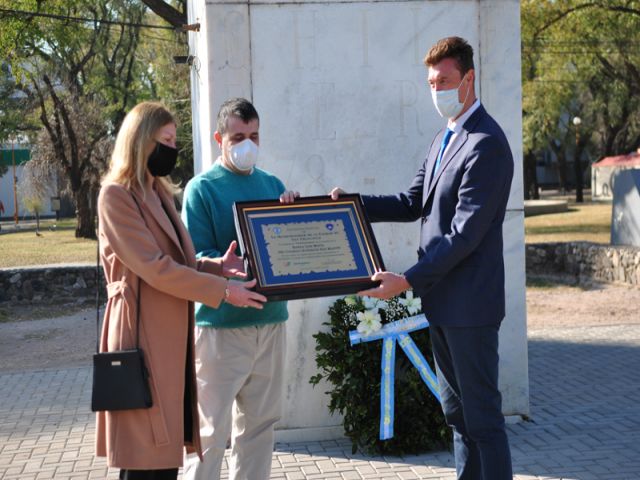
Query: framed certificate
point(314, 247)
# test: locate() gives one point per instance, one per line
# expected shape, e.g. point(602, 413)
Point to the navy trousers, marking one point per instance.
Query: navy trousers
point(467, 367)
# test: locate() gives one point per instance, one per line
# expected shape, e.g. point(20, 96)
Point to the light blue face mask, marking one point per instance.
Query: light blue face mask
point(446, 101)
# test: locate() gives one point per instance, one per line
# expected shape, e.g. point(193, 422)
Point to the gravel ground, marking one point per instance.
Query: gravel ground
point(69, 341)
point(563, 306)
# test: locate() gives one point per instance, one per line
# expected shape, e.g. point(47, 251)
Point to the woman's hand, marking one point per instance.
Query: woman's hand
point(232, 265)
point(241, 296)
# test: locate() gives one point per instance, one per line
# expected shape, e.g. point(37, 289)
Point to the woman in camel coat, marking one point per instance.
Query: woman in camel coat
point(146, 252)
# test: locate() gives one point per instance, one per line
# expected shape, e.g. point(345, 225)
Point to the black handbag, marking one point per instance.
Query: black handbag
point(120, 378)
point(120, 381)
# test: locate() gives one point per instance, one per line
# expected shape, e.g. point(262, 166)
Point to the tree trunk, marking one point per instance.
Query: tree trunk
point(578, 171)
point(561, 166)
point(562, 171)
point(577, 164)
point(86, 227)
point(530, 177)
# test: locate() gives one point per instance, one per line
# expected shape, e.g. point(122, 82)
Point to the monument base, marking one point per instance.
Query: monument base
point(310, 434)
point(319, 434)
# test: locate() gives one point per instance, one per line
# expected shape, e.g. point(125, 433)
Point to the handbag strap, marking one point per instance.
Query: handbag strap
point(139, 286)
point(98, 275)
point(98, 286)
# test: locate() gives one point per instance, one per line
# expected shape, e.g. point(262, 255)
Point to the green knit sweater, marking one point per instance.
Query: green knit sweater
point(208, 215)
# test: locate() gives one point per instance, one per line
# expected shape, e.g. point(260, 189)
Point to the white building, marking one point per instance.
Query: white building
point(603, 171)
point(14, 157)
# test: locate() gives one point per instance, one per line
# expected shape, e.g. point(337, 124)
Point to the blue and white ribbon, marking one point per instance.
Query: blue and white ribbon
point(391, 333)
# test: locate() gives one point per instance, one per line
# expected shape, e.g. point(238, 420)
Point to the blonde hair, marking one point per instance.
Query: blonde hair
point(128, 164)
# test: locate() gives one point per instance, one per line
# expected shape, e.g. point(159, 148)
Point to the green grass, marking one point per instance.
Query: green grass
point(587, 221)
point(53, 246)
point(583, 222)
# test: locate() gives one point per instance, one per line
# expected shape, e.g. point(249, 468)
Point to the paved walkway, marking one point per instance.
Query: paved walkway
point(585, 421)
point(9, 225)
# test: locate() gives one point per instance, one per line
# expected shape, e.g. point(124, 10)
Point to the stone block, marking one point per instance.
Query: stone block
point(27, 289)
point(586, 261)
point(80, 283)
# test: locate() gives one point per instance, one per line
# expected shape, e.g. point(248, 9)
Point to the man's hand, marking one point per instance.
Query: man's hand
point(232, 265)
point(241, 296)
point(391, 284)
point(289, 196)
point(336, 192)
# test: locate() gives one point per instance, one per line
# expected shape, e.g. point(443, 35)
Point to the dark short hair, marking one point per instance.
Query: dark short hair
point(235, 107)
point(451, 47)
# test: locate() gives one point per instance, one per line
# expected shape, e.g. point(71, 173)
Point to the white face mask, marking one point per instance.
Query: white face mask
point(243, 155)
point(447, 103)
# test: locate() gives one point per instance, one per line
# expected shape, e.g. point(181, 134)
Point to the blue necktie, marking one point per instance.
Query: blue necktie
point(445, 141)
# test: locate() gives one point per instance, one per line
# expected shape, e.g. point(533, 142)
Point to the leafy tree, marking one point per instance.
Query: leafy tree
point(580, 59)
point(34, 190)
point(13, 123)
point(82, 65)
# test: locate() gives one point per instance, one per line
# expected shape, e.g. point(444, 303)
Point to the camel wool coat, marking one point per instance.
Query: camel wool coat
point(152, 250)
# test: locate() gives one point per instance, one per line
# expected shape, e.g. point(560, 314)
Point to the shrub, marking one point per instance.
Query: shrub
point(354, 374)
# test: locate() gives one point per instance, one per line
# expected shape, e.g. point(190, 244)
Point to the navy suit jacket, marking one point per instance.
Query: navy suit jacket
point(460, 270)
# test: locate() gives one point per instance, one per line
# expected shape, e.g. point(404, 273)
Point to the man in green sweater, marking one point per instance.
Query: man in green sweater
point(239, 353)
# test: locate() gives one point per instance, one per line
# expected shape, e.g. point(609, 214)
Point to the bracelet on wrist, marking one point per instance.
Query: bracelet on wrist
point(226, 292)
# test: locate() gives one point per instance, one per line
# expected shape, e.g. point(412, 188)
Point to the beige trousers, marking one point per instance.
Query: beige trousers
point(240, 375)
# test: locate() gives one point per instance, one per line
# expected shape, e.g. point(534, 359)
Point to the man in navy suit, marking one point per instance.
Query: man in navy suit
point(460, 196)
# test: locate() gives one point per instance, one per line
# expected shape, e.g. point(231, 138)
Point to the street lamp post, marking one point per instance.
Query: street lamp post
point(577, 165)
point(15, 180)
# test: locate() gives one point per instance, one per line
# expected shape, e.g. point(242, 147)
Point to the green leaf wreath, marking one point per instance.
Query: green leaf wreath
point(354, 373)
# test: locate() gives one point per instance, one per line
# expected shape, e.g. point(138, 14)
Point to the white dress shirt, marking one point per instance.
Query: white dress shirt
point(456, 125)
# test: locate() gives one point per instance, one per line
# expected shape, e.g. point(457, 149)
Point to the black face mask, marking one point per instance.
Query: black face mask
point(162, 160)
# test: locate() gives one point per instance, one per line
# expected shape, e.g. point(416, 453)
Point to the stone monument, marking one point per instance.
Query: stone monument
point(343, 98)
